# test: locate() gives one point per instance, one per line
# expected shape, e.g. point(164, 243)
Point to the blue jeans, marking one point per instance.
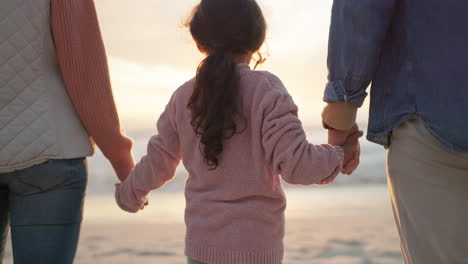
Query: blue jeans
point(44, 206)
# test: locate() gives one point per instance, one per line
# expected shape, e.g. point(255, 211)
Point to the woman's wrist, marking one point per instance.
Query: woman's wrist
point(124, 165)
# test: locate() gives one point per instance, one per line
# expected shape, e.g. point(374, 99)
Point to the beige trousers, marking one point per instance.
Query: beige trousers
point(428, 186)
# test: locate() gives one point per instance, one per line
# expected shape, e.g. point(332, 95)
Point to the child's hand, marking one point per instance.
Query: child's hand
point(126, 200)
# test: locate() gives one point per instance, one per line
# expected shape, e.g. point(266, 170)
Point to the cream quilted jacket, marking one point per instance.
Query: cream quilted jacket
point(37, 119)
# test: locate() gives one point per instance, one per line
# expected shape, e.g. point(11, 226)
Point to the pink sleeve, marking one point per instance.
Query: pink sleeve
point(83, 63)
point(286, 146)
point(156, 168)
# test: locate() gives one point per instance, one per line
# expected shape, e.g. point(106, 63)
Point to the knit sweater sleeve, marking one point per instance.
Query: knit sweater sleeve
point(285, 144)
point(156, 168)
point(82, 59)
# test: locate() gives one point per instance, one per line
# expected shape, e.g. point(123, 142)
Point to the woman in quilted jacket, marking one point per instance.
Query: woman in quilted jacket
point(55, 103)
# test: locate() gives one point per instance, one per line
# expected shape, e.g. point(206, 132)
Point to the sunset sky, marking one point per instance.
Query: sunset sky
point(151, 54)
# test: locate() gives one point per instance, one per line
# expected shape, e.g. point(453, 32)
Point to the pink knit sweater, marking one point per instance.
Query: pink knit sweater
point(234, 214)
point(83, 62)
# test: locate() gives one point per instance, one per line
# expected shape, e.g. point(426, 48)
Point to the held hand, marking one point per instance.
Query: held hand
point(352, 151)
point(338, 137)
point(352, 165)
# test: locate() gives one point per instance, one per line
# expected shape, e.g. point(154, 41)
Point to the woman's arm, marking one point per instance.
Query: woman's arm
point(83, 63)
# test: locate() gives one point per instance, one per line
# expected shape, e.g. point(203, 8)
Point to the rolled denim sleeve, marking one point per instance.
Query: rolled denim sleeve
point(357, 33)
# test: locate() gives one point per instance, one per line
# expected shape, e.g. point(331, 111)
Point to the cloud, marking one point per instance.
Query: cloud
point(149, 31)
point(147, 77)
point(142, 91)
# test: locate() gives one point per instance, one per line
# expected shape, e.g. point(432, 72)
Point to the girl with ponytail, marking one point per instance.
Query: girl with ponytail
point(228, 32)
point(238, 133)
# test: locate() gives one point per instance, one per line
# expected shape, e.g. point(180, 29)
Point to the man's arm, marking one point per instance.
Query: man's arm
point(83, 63)
point(357, 33)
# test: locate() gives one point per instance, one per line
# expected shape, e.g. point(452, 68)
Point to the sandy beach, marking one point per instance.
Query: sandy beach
point(325, 225)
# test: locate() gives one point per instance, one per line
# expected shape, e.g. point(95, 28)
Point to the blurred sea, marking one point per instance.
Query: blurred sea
point(371, 169)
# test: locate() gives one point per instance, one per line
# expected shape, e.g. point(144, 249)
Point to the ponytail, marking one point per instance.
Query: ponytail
point(224, 30)
point(214, 103)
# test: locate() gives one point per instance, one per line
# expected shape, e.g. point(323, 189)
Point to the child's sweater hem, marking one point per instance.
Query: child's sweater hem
point(213, 255)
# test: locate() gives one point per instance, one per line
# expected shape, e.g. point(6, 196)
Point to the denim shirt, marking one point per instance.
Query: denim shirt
point(415, 54)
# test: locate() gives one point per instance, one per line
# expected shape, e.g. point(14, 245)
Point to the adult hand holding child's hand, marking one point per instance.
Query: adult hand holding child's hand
point(337, 138)
point(351, 149)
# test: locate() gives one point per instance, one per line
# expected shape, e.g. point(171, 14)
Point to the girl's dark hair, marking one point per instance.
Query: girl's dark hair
point(224, 30)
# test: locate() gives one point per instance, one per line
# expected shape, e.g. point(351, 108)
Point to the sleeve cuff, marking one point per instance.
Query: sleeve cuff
point(335, 92)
